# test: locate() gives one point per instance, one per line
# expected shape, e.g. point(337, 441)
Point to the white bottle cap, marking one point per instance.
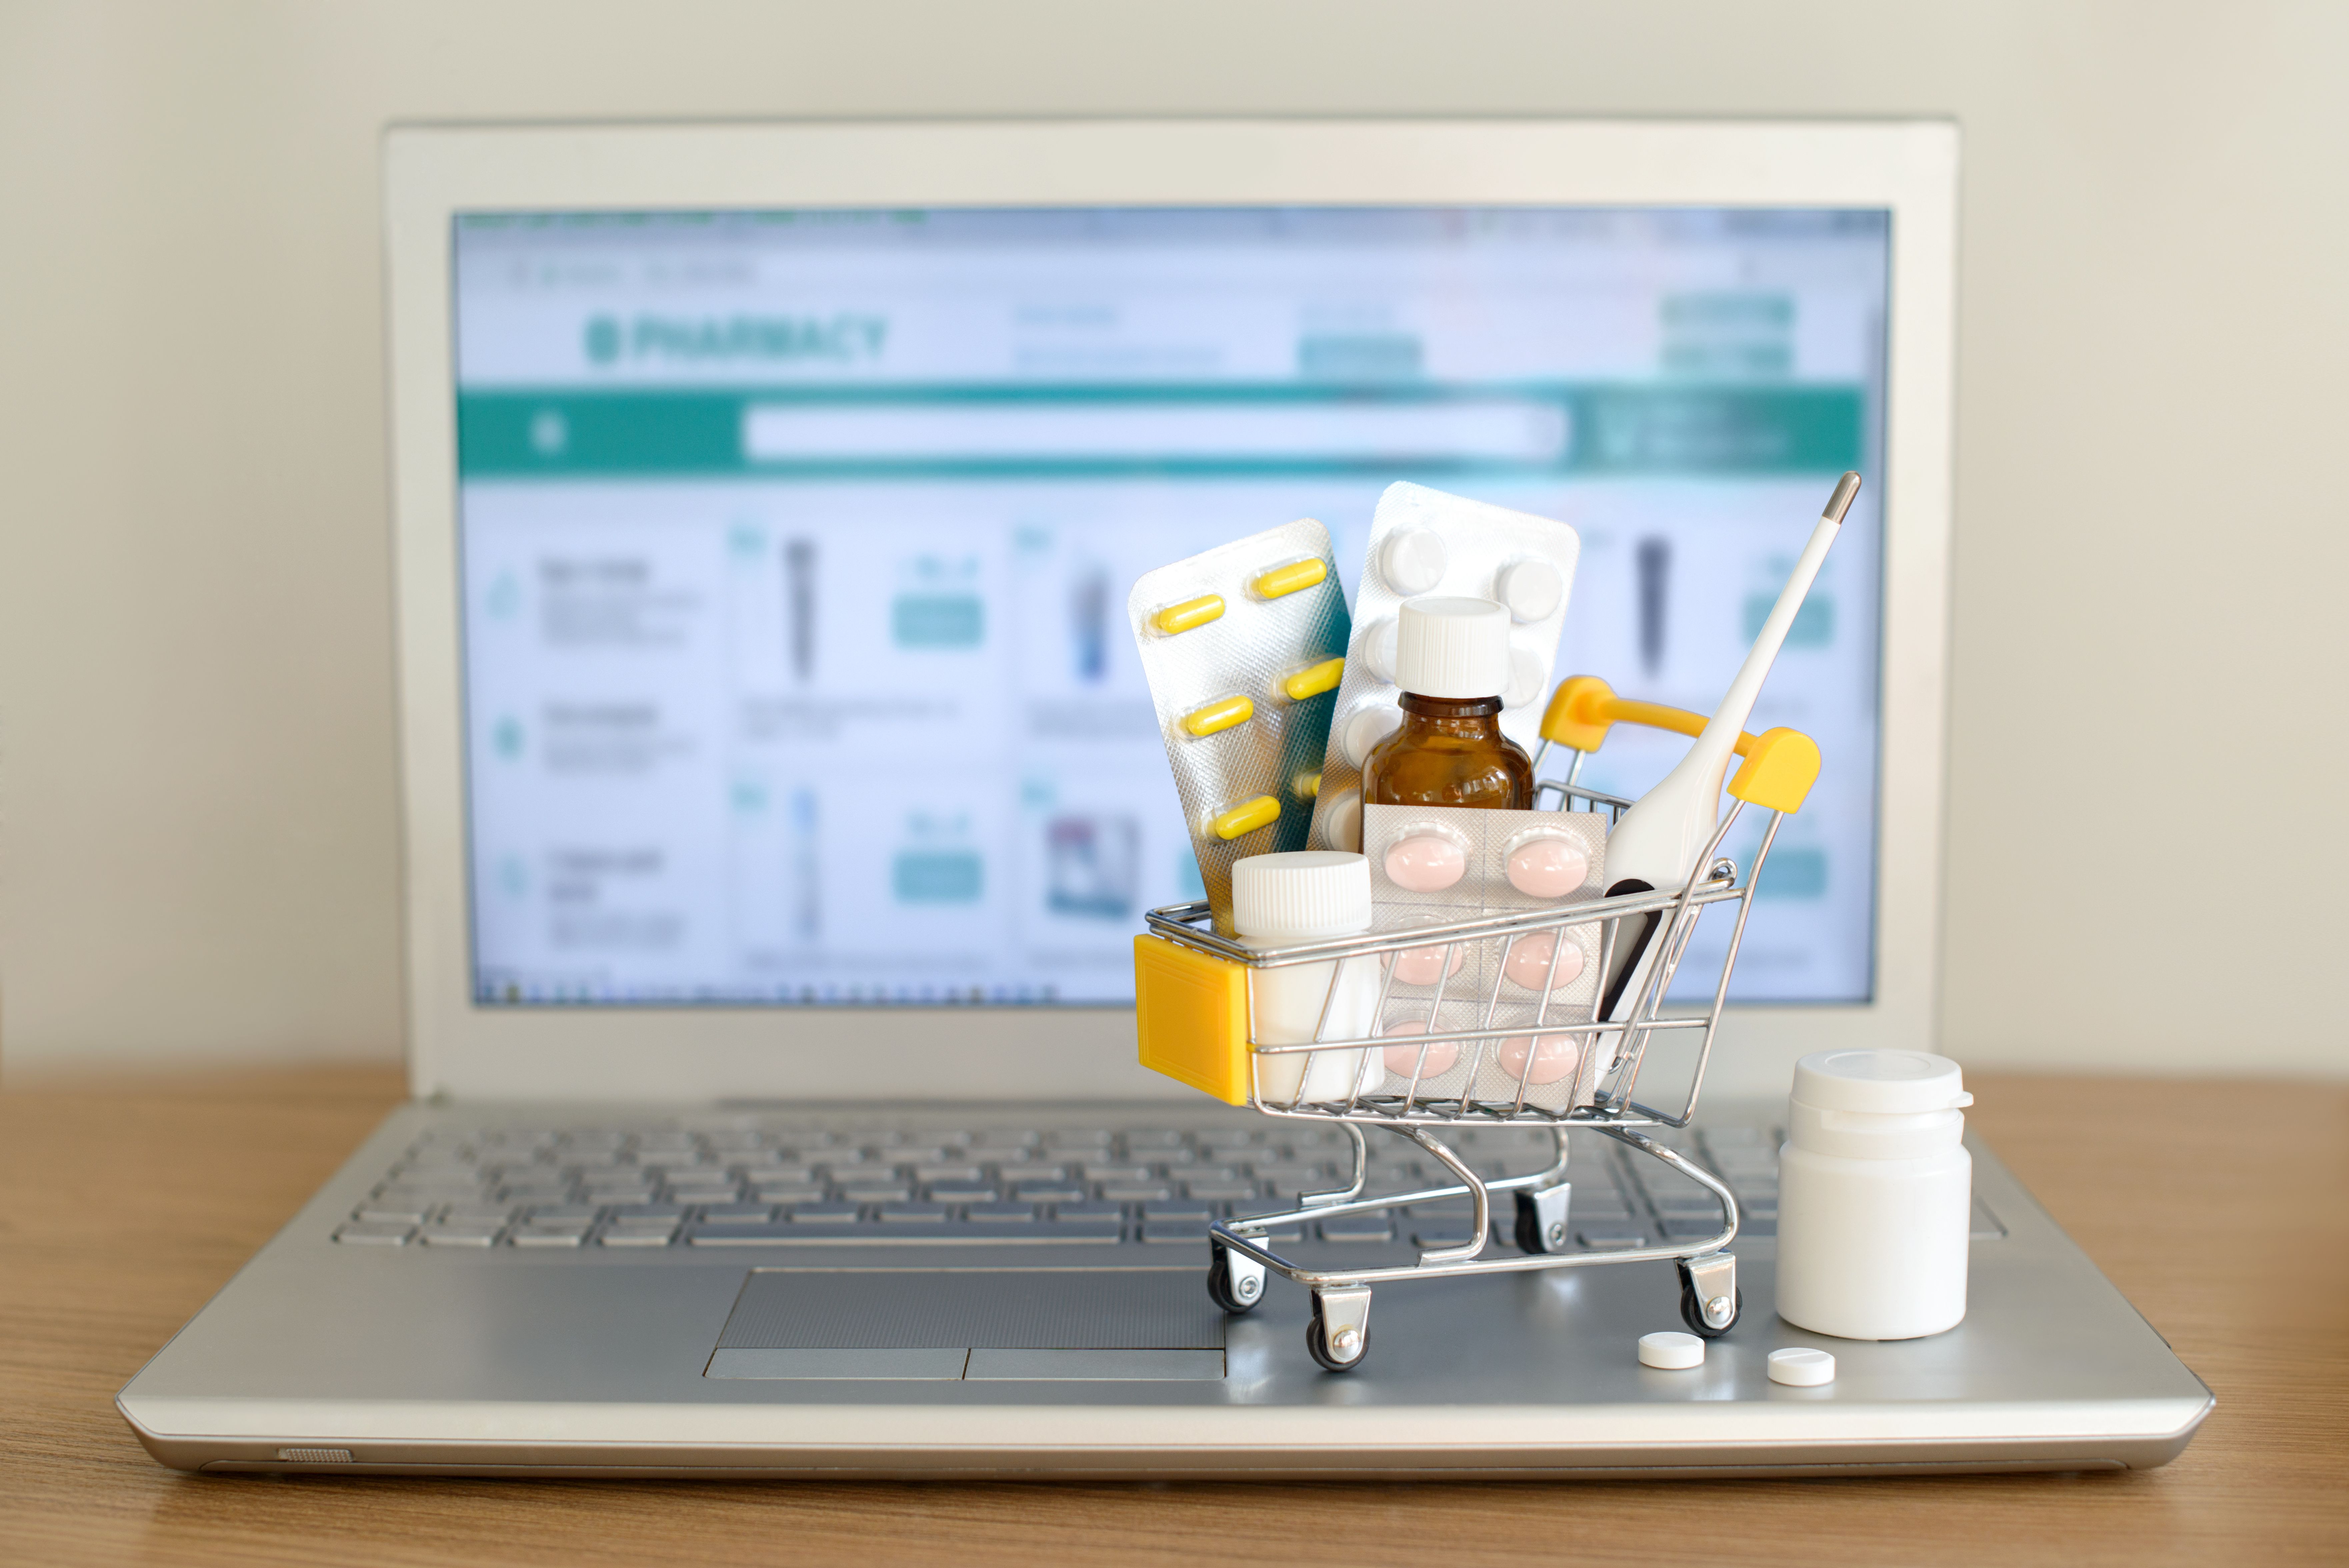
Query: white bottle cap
point(1301, 895)
point(1452, 648)
point(1884, 1083)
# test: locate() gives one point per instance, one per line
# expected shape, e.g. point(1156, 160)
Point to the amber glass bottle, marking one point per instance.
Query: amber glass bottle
point(1449, 752)
point(1452, 659)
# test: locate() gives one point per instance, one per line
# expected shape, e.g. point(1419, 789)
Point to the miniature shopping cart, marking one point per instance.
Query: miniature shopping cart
point(1196, 1015)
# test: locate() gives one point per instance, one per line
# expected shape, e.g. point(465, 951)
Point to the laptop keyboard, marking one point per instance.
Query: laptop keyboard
point(751, 1187)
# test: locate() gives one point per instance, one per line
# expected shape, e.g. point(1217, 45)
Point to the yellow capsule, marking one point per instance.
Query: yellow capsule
point(1294, 578)
point(1246, 817)
point(1313, 681)
point(1306, 785)
point(1188, 614)
point(1221, 714)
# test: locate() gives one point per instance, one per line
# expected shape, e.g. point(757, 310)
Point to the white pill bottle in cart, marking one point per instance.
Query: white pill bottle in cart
point(1304, 895)
point(1875, 1195)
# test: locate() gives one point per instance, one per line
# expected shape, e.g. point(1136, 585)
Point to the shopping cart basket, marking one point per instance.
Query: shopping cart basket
point(1194, 996)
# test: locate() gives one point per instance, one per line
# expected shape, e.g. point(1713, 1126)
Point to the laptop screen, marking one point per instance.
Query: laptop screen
point(795, 551)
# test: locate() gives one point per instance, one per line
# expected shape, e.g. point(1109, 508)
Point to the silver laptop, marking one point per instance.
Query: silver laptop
point(782, 798)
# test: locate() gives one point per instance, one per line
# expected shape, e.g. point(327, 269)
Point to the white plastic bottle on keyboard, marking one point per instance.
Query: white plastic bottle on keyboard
point(1875, 1195)
point(1308, 895)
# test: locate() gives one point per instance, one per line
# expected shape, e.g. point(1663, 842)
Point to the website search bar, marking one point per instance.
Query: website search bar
point(1477, 429)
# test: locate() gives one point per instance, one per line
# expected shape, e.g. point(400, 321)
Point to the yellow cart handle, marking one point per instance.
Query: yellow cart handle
point(1780, 765)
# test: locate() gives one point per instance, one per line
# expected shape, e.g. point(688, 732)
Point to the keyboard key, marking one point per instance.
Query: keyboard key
point(1428, 1236)
point(860, 1192)
point(1048, 1192)
point(638, 1236)
point(366, 1234)
point(469, 1219)
point(966, 1192)
point(1167, 1232)
point(549, 1236)
point(738, 1214)
point(913, 1214)
point(1359, 1228)
point(1089, 1211)
point(1178, 1210)
point(624, 1213)
point(563, 1214)
point(401, 1214)
point(1689, 1230)
point(457, 1236)
point(1001, 1213)
point(792, 1192)
point(825, 1213)
point(935, 1174)
point(1136, 1192)
point(1610, 1238)
point(1098, 1172)
point(1219, 1191)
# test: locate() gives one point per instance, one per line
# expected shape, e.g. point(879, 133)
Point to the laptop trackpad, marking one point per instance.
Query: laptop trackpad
point(972, 1324)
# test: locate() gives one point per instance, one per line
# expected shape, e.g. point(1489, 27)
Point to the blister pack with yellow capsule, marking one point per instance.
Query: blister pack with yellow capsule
point(1244, 647)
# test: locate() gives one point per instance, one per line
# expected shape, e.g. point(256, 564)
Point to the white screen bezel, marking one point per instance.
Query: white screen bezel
point(432, 174)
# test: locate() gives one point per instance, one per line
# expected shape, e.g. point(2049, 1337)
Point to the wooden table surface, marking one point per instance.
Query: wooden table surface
point(124, 1204)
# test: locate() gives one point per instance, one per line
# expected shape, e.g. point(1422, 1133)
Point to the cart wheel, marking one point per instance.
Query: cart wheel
point(1224, 1289)
point(1693, 1312)
point(1317, 1342)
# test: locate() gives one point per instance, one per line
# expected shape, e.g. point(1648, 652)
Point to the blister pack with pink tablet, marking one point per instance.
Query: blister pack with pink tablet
point(1437, 866)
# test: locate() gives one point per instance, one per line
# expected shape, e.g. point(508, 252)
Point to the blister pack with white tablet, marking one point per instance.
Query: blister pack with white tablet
point(1426, 541)
point(1440, 865)
point(1244, 647)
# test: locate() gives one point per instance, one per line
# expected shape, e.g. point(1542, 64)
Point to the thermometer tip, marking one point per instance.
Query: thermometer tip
point(1840, 501)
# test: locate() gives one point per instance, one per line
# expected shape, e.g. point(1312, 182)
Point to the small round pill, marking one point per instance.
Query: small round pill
point(1405, 1060)
point(1525, 688)
point(1555, 1057)
point(1421, 966)
point(1671, 1351)
point(1379, 649)
point(1341, 819)
point(1528, 961)
point(1547, 867)
point(1364, 728)
point(1426, 864)
point(1530, 589)
point(1799, 1366)
point(1412, 560)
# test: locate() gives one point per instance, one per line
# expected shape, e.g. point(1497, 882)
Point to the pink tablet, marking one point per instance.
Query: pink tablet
point(1530, 961)
point(1404, 1060)
point(1547, 867)
point(1424, 863)
point(1555, 1057)
point(1421, 966)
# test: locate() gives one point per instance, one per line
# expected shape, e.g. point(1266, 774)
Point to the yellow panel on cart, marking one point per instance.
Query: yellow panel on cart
point(1190, 1009)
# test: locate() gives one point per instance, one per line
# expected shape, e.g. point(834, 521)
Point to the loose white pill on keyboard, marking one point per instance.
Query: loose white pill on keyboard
point(1671, 1351)
point(1799, 1366)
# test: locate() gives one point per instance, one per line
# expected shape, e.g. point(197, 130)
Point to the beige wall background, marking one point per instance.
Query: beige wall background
point(199, 822)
